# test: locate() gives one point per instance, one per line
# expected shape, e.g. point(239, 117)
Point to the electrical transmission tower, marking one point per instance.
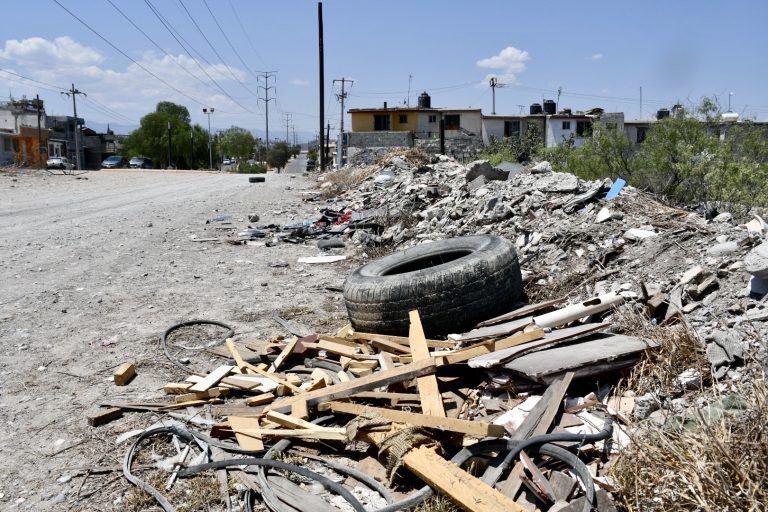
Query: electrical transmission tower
point(287, 121)
point(266, 75)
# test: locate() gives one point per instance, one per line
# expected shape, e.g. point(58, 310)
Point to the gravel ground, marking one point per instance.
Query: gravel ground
point(93, 269)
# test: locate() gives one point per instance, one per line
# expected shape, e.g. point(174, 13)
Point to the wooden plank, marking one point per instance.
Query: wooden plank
point(523, 311)
point(384, 395)
point(230, 344)
point(300, 410)
point(177, 388)
point(367, 383)
point(124, 373)
point(202, 395)
point(537, 423)
point(490, 347)
point(474, 428)
point(563, 485)
point(550, 339)
point(494, 331)
point(431, 400)
point(537, 365)
point(284, 420)
point(212, 378)
point(464, 489)
point(283, 355)
point(402, 340)
point(390, 346)
point(104, 416)
point(246, 441)
point(326, 434)
point(261, 399)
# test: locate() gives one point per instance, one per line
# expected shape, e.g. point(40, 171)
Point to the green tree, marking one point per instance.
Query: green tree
point(278, 155)
point(237, 142)
point(515, 149)
point(607, 153)
point(151, 138)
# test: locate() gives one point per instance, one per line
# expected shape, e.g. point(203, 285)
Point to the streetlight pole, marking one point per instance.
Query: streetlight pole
point(729, 101)
point(209, 111)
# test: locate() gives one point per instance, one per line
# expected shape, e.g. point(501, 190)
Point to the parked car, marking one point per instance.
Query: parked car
point(229, 161)
point(59, 162)
point(114, 162)
point(140, 162)
point(311, 165)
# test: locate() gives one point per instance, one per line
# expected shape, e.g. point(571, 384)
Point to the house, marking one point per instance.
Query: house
point(498, 127)
point(407, 126)
point(23, 136)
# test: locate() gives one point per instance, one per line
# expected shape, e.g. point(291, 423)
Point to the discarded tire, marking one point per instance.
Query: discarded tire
point(454, 284)
point(256, 179)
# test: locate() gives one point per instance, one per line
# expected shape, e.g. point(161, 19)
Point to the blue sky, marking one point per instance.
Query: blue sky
point(600, 53)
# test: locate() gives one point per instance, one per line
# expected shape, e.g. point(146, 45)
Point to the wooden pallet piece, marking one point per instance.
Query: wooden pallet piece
point(367, 383)
point(262, 399)
point(177, 388)
point(283, 355)
point(104, 415)
point(401, 340)
point(431, 400)
point(202, 395)
point(246, 441)
point(473, 428)
point(490, 347)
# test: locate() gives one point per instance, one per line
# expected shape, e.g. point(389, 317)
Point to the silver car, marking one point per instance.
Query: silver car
point(59, 162)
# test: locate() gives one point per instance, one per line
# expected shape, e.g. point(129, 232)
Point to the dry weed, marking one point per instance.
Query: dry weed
point(437, 503)
point(346, 179)
point(721, 466)
point(678, 350)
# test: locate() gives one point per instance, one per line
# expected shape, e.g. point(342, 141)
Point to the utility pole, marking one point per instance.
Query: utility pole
point(209, 111)
point(557, 105)
point(287, 121)
point(293, 129)
point(74, 92)
point(341, 97)
point(327, 148)
point(410, 77)
point(266, 75)
point(321, 96)
point(39, 132)
point(191, 147)
point(169, 144)
point(494, 84)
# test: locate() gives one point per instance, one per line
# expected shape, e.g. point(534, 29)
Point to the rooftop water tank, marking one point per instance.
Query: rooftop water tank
point(535, 108)
point(662, 113)
point(424, 100)
point(550, 107)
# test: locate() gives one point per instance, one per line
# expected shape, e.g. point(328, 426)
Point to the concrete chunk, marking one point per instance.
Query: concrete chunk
point(756, 261)
point(484, 168)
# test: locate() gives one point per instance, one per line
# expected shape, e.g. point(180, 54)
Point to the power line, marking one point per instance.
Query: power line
point(245, 32)
point(189, 14)
point(55, 88)
point(172, 30)
point(121, 52)
point(227, 39)
point(266, 75)
point(129, 20)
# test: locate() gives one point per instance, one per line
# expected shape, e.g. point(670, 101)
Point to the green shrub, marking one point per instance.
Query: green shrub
point(247, 168)
point(514, 149)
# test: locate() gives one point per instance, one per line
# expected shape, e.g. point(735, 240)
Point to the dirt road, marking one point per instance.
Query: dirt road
point(93, 271)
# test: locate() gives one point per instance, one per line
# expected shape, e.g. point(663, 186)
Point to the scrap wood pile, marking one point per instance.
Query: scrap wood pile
point(490, 418)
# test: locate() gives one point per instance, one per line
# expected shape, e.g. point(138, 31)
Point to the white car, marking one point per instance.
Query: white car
point(228, 161)
point(59, 162)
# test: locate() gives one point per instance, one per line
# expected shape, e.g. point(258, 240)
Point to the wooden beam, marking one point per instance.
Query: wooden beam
point(287, 350)
point(464, 489)
point(230, 344)
point(367, 383)
point(474, 428)
point(212, 378)
point(489, 347)
point(402, 340)
point(261, 399)
point(124, 373)
point(104, 415)
point(177, 388)
point(246, 441)
point(431, 400)
point(326, 433)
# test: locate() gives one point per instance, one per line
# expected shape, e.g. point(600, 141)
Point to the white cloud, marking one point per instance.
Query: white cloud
point(300, 82)
point(39, 52)
point(510, 60)
point(596, 56)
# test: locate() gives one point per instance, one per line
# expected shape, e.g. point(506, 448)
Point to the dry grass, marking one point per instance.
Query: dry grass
point(347, 179)
point(722, 466)
point(437, 503)
point(679, 350)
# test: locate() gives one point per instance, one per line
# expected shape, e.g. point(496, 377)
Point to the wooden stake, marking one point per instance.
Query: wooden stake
point(431, 400)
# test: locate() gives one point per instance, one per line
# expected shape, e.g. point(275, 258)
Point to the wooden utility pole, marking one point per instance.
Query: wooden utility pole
point(40, 149)
point(74, 92)
point(321, 147)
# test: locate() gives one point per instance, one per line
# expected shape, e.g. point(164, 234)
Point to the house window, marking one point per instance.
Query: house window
point(403, 118)
point(512, 128)
point(641, 133)
point(452, 121)
point(381, 122)
point(566, 125)
point(432, 118)
point(583, 128)
point(6, 144)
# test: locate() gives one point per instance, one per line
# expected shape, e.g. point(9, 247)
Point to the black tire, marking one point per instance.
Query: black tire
point(454, 284)
point(256, 179)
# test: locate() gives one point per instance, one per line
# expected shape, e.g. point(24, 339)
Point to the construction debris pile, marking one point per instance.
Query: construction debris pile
point(527, 410)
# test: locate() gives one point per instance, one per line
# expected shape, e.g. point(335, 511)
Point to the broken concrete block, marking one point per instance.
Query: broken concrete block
point(692, 275)
point(557, 182)
point(645, 405)
point(723, 248)
point(603, 215)
point(541, 168)
point(724, 348)
point(484, 168)
point(477, 183)
point(638, 234)
point(756, 261)
point(723, 217)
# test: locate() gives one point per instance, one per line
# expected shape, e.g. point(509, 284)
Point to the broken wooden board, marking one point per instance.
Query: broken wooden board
point(537, 365)
point(367, 383)
point(246, 441)
point(431, 401)
point(550, 339)
point(402, 340)
point(493, 331)
point(526, 310)
point(104, 415)
point(489, 347)
point(212, 378)
point(287, 350)
point(474, 428)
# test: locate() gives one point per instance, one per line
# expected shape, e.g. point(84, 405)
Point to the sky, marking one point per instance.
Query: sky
point(211, 53)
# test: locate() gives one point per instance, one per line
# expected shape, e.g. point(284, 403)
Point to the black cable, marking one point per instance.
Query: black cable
point(164, 338)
